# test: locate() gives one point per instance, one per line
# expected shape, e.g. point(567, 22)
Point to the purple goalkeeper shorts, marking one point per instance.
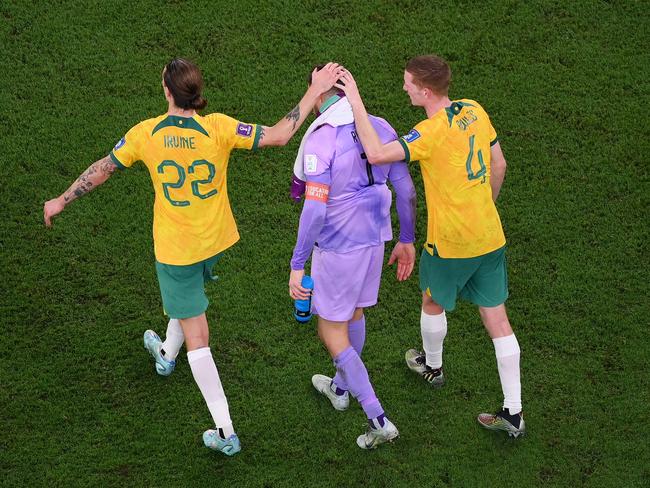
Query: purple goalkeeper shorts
point(345, 281)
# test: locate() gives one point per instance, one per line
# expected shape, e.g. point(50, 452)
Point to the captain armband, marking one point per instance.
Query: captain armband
point(317, 191)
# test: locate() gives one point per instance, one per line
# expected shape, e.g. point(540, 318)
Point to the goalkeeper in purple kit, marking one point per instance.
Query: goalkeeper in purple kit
point(344, 224)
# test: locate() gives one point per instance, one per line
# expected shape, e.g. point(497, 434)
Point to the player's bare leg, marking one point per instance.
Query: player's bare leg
point(433, 327)
point(205, 373)
point(334, 336)
point(506, 347)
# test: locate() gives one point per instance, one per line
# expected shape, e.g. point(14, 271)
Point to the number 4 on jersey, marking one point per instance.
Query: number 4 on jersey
point(482, 169)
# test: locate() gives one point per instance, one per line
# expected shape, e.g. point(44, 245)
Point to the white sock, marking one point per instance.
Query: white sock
point(207, 378)
point(173, 340)
point(508, 353)
point(434, 330)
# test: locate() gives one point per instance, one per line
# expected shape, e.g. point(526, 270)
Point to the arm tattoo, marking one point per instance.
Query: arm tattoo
point(107, 166)
point(294, 115)
point(83, 184)
point(262, 132)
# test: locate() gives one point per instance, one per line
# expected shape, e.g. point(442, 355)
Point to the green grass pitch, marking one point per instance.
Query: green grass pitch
point(566, 85)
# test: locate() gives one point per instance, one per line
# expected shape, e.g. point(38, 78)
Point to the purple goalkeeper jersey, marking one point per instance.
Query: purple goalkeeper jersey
point(357, 212)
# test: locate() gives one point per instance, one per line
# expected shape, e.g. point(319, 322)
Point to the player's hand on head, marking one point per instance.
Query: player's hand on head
point(324, 79)
point(404, 254)
point(296, 290)
point(348, 85)
point(51, 209)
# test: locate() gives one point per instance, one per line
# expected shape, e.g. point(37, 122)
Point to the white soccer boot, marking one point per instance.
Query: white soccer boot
point(377, 436)
point(324, 385)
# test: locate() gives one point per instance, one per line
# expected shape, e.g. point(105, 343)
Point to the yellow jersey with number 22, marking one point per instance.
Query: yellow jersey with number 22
point(187, 158)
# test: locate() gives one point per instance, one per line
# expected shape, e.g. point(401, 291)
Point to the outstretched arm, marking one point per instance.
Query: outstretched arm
point(281, 133)
point(376, 151)
point(96, 174)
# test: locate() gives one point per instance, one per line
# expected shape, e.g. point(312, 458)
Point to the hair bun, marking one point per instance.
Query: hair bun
point(198, 102)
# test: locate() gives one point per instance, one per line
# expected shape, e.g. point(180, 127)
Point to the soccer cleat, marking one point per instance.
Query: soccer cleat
point(416, 361)
point(229, 446)
point(376, 436)
point(514, 425)
point(153, 344)
point(323, 385)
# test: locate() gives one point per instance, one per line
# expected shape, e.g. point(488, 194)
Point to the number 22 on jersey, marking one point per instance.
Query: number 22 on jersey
point(181, 177)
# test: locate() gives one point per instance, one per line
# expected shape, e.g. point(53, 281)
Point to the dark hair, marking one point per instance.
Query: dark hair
point(431, 72)
point(332, 90)
point(184, 81)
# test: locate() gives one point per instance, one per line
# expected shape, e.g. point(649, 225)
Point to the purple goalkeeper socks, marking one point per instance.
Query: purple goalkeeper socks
point(377, 422)
point(350, 367)
point(357, 335)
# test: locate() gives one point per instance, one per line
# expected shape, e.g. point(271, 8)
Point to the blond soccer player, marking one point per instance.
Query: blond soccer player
point(464, 256)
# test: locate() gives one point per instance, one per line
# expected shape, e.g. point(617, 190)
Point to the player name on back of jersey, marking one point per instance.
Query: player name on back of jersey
point(468, 118)
point(179, 142)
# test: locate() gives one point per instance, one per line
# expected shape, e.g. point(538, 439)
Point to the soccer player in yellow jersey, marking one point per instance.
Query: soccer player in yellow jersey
point(463, 168)
point(187, 158)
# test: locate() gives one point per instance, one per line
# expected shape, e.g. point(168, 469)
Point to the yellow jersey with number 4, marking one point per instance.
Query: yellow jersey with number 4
point(187, 158)
point(453, 147)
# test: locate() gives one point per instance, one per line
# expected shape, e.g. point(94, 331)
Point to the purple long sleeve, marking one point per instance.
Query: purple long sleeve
point(311, 223)
point(357, 212)
point(405, 201)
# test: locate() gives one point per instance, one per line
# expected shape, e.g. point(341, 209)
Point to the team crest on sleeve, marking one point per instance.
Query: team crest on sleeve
point(120, 143)
point(311, 163)
point(411, 136)
point(244, 130)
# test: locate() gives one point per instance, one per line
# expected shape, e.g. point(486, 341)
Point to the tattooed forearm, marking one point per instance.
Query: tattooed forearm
point(82, 185)
point(96, 174)
point(107, 166)
point(262, 133)
point(294, 115)
point(80, 190)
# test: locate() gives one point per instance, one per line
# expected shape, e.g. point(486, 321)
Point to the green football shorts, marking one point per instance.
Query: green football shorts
point(183, 287)
point(482, 280)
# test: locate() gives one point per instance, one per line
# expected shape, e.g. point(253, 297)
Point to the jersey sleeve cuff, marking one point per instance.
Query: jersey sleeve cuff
point(258, 135)
point(296, 265)
point(116, 161)
point(407, 153)
point(496, 139)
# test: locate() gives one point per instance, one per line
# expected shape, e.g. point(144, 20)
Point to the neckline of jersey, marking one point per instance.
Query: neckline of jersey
point(453, 109)
point(328, 103)
point(180, 122)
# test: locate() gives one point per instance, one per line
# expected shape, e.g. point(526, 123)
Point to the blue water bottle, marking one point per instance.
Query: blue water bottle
point(302, 308)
